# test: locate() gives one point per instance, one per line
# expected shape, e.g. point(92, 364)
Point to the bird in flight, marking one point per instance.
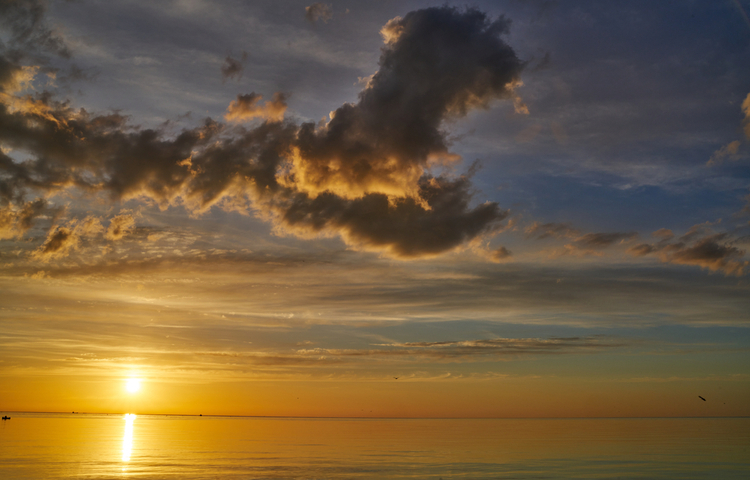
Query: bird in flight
point(701, 398)
point(396, 378)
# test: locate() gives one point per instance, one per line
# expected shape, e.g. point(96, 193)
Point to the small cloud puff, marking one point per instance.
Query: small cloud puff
point(729, 151)
point(247, 107)
point(318, 11)
point(232, 67)
point(120, 226)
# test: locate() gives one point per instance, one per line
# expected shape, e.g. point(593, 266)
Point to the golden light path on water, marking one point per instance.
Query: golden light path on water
point(127, 439)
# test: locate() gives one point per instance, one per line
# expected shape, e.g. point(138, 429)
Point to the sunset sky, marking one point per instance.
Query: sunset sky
point(375, 208)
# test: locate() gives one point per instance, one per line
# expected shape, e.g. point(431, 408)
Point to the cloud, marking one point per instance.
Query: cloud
point(15, 221)
point(541, 231)
point(593, 243)
point(583, 244)
point(500, 254)
point(14, 77)
point(697, 230)
point(25, 21)
point(603, 240)
point(246, 107)
point(447, 351)
point(727, 151)
point(232, 67)
point(442, 64)
point(120, 226)
point(63, 239)
point(404, 227)
point(365, 175)
point(60, 241)
point(709, 253)
point(318, 11)
point(471, 349)
point(664, 234)
point(698, 247)
point(90, 226)
point(731, 150)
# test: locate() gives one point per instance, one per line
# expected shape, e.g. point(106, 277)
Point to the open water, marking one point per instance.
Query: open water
point(151, 446)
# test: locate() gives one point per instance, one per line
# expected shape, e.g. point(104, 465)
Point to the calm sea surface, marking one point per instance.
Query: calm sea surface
point(151, 446)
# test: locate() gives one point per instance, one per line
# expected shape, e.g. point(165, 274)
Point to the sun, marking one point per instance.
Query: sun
point(132, 385)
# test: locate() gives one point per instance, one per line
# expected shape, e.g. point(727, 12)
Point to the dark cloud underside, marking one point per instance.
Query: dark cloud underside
point(364, 175)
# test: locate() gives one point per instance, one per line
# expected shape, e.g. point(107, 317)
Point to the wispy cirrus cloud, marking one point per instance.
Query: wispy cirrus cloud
point(581, 244)
point(541, 231)
point(447, 351)
point(700, 246)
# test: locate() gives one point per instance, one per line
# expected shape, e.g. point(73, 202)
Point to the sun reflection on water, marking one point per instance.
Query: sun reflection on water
point(127, 439)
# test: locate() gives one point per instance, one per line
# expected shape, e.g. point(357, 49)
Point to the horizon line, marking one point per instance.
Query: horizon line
point(328, 417)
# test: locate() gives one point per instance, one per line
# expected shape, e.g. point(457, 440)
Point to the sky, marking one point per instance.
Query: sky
point(381, 209)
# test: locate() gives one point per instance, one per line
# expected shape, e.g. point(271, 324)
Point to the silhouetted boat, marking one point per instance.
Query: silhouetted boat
point(6, 418)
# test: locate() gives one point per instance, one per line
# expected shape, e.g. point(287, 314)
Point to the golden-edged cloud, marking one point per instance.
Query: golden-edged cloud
point(15, 220)
point(120, 226)
point(364, 175)
point(64, 239)
point(247, 107)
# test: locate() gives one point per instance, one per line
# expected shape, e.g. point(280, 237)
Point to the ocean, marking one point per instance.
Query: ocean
point(98, 446)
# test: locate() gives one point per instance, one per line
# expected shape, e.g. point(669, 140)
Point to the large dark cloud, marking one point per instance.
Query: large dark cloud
point(437, 64)
point(364, 175)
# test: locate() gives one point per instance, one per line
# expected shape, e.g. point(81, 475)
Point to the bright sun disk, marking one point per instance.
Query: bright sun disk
point(133, 385)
